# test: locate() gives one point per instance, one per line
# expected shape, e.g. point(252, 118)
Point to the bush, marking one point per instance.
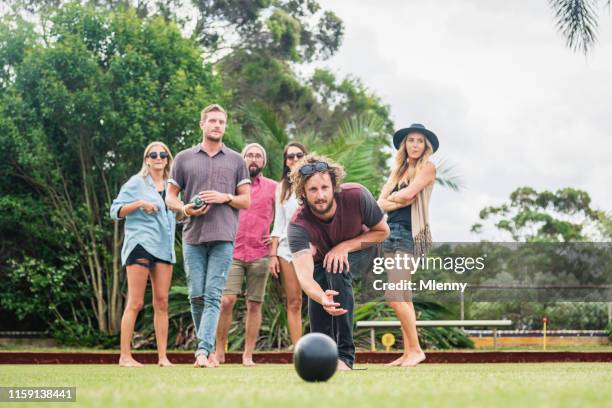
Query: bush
point(76, 334)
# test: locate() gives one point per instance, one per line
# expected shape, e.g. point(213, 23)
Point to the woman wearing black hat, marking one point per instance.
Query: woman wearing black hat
point(405, 199)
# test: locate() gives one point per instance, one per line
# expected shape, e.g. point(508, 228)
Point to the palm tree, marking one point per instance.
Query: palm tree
point(358, 147)
point(578, 20)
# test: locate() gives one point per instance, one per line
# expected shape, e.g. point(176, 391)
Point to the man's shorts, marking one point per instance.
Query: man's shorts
point(256, 278)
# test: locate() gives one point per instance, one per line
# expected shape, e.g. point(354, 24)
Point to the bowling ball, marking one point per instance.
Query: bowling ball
point(315, 357)
point(197, 202)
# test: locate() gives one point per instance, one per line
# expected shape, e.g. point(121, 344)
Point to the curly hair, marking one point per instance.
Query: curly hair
point(298, 181)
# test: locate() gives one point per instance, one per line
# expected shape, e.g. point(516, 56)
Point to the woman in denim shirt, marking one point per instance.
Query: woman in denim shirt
point(405, 199)
point(148, 247)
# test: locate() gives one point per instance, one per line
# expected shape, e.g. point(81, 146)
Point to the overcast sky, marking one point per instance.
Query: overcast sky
point(511, 105)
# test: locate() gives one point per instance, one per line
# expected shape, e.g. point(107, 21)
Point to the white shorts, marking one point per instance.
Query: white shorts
point(283, 250)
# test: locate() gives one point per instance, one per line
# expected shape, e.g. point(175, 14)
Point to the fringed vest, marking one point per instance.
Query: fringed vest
point(421, 233)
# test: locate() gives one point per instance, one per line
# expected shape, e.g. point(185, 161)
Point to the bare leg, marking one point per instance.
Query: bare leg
point(225, 321)
point(398, 361)
point(137, 283)
point(161, 279)
point(253, 323)
point(404, 309)
point(293, 291)
point(413, 354)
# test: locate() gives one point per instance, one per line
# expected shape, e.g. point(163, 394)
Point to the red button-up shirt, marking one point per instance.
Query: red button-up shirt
point(254, 222)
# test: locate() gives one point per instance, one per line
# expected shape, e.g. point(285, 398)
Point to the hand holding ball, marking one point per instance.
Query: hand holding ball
point(198, 202)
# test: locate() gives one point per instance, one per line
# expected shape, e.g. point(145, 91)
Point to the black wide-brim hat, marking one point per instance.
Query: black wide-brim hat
point(399, 136)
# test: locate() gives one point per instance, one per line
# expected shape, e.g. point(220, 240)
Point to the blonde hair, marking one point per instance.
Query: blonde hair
point(402, 172)
point(212, 108)
point(144, 171)
point(298, 181)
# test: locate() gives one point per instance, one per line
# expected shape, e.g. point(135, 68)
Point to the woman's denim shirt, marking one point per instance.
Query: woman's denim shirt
point(154, 232)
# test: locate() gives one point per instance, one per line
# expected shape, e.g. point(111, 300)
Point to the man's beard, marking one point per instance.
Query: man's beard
point(254, 170)
point(314, 209)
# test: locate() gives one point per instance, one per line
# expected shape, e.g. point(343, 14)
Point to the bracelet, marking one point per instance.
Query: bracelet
point(184, 212)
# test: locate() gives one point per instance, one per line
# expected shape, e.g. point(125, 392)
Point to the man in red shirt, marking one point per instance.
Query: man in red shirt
point(250, 258)
point(326, 238)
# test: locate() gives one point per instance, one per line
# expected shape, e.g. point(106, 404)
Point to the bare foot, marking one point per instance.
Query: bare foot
point(216, 361)
point(164, 362)
point(413, 359)
point(129, 362)
point(203, 362)
point(248, 361)
point(342, 366)
point(397, 362)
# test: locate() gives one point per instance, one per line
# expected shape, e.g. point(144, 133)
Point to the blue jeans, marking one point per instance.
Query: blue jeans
point(206, 266)
point(399, 239)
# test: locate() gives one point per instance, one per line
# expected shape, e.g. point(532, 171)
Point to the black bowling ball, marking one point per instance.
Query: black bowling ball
point(315, 357)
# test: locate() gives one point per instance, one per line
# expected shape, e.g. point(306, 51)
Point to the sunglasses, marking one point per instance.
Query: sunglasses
point(308, 169)
point(162, 155)
point(292, 156)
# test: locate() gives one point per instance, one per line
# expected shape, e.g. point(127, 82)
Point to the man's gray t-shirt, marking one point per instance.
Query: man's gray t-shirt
point(193, 170)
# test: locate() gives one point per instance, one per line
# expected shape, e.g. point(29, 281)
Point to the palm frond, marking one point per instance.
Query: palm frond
point(357, 147)
point(446, 177)
point(577, 20)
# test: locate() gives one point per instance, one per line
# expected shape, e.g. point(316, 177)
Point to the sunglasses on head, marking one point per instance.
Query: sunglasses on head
point(162, 155)
point(292, 156)
point(308, 169)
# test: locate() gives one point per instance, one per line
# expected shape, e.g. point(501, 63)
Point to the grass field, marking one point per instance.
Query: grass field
point(460, 385)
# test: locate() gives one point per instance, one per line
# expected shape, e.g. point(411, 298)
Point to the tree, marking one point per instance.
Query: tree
point(296, 30)
point(85, 88)
point(560, 216)
point(293, 30)
point(79, 104)
point(557, 227)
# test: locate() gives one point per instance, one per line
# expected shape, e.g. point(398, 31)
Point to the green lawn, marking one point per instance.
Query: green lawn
point(460, 385)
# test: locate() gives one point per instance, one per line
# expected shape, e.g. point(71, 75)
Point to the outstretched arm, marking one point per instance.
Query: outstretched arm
point(304, 268)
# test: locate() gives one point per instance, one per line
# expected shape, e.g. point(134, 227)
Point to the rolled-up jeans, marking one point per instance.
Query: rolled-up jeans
point(340, 328)
point(206, 266)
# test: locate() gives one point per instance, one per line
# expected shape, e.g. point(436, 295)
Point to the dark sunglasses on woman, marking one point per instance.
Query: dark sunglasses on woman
point(292, 156)
point(308, 169)
point(162, 155)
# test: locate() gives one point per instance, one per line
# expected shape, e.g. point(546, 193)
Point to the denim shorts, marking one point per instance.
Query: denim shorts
point(140, 256)
point(399, 239)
